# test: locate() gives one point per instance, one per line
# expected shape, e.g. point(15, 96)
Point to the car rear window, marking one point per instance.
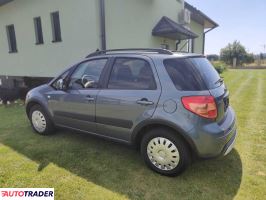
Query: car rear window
point(192, 74)
point(207, 72)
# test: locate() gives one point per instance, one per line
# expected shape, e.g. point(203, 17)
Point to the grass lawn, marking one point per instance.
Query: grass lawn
point(80, 167)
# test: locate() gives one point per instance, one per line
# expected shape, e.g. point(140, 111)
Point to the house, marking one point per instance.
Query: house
point(200, 24)
point(38, 39)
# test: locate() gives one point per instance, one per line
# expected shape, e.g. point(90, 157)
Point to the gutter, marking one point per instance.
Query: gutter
point(102, 24)
point(204, 38)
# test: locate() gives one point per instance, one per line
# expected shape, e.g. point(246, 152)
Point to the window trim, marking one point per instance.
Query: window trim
point(53, 82)
point(38, 30)
point(12, 39)
point(56, 31)
point(112, 64)
point(55, 79)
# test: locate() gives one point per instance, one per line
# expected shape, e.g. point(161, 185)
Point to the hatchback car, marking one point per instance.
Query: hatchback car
point(171, 105)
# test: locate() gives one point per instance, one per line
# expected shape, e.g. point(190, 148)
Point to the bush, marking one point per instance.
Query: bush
point(249, 58)
point(219, 66)
point(213, 57)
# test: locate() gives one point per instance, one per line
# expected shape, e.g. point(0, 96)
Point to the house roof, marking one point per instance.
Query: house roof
point(200, 17)
point(170, 29)
point(2, 2)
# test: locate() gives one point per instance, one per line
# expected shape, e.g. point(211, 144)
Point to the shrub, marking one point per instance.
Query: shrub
point(219, 66)
point(213, 57)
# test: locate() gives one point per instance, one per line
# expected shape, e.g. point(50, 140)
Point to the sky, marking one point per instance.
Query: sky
point(242, 20)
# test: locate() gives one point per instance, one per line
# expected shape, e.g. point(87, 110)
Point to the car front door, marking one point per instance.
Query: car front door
point(74, 107)
point(130, 96)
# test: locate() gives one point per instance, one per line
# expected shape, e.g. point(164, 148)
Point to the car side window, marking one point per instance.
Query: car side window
point(131, 74)
point(87, 74)
point(183, 75)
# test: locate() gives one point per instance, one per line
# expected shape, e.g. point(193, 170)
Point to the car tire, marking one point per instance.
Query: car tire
point(40, 121)
point(165, 152)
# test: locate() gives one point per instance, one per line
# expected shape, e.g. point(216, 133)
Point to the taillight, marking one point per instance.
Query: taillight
point(203, 106)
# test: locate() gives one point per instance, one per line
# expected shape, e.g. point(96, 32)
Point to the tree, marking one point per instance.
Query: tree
point(261, 56)
point(213, 57)
point(235, 50)
point(249, 58)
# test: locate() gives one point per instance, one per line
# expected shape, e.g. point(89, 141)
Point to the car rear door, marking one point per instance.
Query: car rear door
point(130, 95)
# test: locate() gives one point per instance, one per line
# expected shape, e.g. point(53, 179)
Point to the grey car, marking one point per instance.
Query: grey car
point(170, 105)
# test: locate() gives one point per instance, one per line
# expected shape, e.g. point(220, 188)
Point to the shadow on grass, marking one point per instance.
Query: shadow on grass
point(121, 169)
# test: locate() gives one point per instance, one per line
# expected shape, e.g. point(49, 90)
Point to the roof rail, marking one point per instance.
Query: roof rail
point(159, 51)
point(180, 51)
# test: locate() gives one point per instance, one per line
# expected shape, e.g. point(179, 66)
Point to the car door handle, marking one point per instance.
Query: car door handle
point(145, 102)
point(89, 98)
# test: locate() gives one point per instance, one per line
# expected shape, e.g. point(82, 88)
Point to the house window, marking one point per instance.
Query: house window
point(38, 30)
point(11, 37)
point(56, 27)
point(164, 46)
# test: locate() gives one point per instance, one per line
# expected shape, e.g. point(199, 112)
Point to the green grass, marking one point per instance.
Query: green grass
point(79, 166)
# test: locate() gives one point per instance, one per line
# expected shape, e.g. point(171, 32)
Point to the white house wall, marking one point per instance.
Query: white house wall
point(80, 35)
point(129, 23)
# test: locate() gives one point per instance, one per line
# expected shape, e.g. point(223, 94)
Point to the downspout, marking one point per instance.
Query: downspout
point(176, 45)
point(102, 24)
point(179, 41)
point(204, 38)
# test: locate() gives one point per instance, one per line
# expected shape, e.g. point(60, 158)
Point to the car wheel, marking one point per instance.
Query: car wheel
point(40, 121)
point(165, 152)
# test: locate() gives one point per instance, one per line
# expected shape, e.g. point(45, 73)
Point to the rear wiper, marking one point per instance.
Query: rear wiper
point(221, 80)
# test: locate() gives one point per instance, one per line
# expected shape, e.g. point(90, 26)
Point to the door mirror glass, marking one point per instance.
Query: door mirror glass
point(88, 81)
point(60, 84)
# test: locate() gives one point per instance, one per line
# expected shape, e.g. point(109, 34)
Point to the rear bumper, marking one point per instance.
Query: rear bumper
point(214, 139)
point(230, 145)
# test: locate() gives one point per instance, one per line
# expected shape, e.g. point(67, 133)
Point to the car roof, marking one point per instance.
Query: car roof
point(152, 53)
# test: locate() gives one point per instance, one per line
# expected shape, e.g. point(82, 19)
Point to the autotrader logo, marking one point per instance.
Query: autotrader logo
point(27, 193)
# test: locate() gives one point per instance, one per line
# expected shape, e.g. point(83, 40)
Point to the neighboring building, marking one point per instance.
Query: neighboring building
point(38, 39)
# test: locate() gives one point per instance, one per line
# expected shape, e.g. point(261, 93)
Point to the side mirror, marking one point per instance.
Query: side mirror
point(89, 84)
point(60, 84)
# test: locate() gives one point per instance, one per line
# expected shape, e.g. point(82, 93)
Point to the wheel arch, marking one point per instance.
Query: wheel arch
point(142, 128)
point(34, 102)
